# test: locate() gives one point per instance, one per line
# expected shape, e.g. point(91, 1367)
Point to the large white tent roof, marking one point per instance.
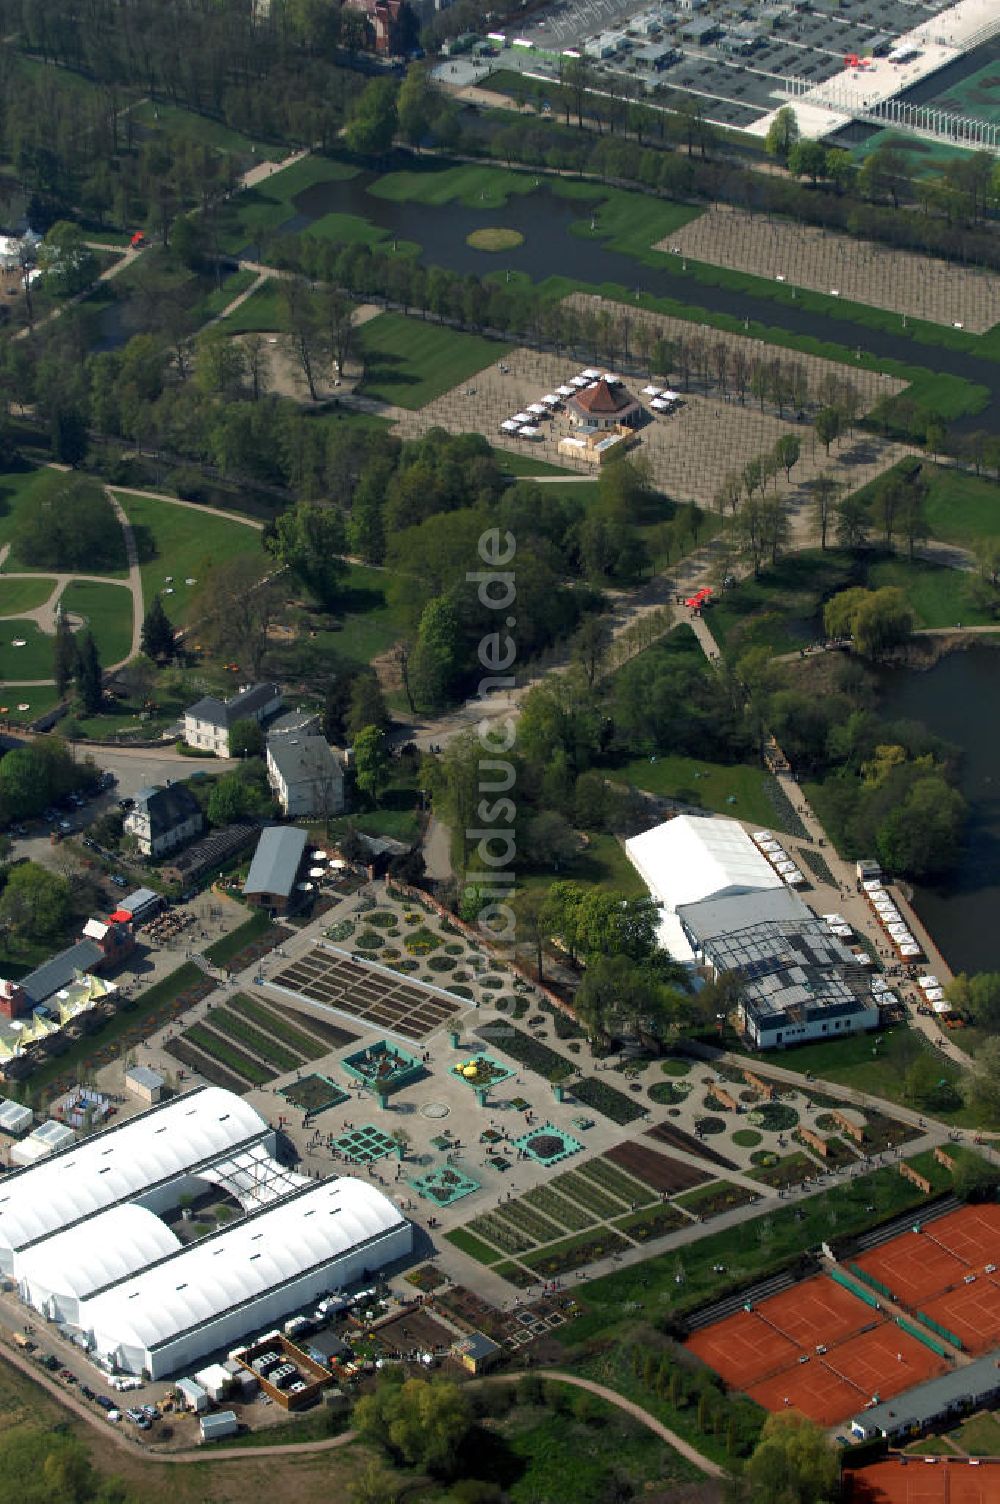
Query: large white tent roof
point(103, 1249)
point(691, 858)
point(235, 1266)
point(121, 1163)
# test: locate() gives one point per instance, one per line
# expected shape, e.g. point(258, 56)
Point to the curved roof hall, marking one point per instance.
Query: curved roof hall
point(237, 1265)
point(105, 1248)
point(121, 1164)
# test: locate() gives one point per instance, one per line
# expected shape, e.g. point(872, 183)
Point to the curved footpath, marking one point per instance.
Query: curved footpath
point(72, 1401)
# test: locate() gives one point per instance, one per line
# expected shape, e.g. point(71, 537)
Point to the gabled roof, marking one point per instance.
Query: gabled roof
point(276, 861)
point(166, 808)
point(303, 759)
point(243, 706)
point(53, 975)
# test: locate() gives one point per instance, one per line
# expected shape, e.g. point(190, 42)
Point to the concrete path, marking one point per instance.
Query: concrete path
point(264, 170)
point(134, 576)
point(437, 850)
point(125, 260)
point(239, 300)
point(193, 506)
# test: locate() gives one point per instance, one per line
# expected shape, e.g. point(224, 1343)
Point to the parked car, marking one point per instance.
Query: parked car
point(104, 1402)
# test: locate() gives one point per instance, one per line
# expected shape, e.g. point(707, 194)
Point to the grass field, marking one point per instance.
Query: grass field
point(24, 595)
point(523, 466)
point(603, 863)
point(175, 120)
point(351, 229)
point(411, 362)
point(180, 541)
point(961, 508)
point(33, 661)
point(877, 1068)
point(980, 1435)
point(369, 625)
point(737, 790)
point(222, 951)
point(939, 596)
point(475, 186)
point(107, 610)
point(261, 313)
point(562, 1460)
point(258, 212)
point(760, 1245)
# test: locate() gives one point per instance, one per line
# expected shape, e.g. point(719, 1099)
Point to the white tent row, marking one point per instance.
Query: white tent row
point(521, 418)
point(651, 391)
point(794, 879)
point(538, 409)
point(941, 1007)
point(564, 391)
point(509, 426)
point(934, 994)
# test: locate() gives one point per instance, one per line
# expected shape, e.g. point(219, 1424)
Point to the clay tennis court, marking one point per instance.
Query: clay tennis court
point(773, 1352)
point(942, 1480)
point(972, 1312)
point(917, 1267)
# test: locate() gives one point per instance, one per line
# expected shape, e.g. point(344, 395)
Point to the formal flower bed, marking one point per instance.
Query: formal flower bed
point(421, 942)
point(606, 1100)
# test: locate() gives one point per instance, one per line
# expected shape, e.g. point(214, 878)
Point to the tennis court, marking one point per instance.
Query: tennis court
point(919, 1266)
point(882, 1361)
point(811, 1388)
point(743, 1348)
point(972, 1312)
point(817, 1311)
point(920, 1480)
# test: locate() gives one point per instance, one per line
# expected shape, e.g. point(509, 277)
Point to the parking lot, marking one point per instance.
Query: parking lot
point(735, 58)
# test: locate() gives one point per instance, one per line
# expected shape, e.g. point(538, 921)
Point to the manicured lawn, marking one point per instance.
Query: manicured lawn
point(478, 187)
point(411, 362)
point(351, 229)
point(980, 1435)
point(176, 121)
point(581, 493)
point(230, 945)
point(24, 595)
point(180, 541)
point(961, 508)
point(630, 222)
point(107, 610)
point(468, 1243)
point(220, 297)
point(602, 863)
point(368, 625)
point(261, 313)
point(33, 661)
point(39, 698)
point(939, 596)
point(877, 1068)
point(524, 465)
point(259, 211)
point(736, 790)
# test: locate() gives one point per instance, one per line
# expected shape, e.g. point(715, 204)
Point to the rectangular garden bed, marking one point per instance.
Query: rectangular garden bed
point(212, 1071)
point(560, 1209)
point(268, 1018)
point(678, 1139)
point(613, 1104)
point(228, 1054)
point(658, 1171)
point(530, 1052)
point(712, 1200)
point(244, 1033)
point(597, 1200)
point(573, 1253)
point(791, 1169)
point(314, 1094)
point(653, 1222)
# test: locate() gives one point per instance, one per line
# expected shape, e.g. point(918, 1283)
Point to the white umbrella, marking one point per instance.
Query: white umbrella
point(529, 432)
point(651, 391)
point(550, 399)
point(589, 374)
point(941, 1007)
point(521, 418)
point(671, 396)
point(927, 981)
point(509, 426)
point(565, 391)
point(579, 381)
point(659, 406)
point(538, 409)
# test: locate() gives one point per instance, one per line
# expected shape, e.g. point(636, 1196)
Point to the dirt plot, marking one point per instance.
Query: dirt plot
point(691, 451)
point(922, 287)
point(414, 1329)
point(678, 1139)
point(656, 1170)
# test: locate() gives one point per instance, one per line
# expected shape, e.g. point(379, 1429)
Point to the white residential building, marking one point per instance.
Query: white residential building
point(163, 819)
point(208, 724)
point(307, 776)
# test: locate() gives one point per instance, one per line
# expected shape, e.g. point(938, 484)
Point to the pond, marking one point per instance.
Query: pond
point(959, 699)
point(551, 249)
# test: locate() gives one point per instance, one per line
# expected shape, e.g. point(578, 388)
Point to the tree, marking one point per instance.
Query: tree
point(437, 653)
point(793, 1463)
point(852, 522)
point(246, 739)
point(371, 762)
point(157, 633)
point(373, 121)
point(827, 424)
point(63, 656)
point(231, 799)
point(367, 704)
point(65, 260)
point(980, 1086)
point(550, 840)
point(922, 833)
point(233, 606)
point(590, 646)
point(416, 105)
point(70, 526)
point(422, 1424)
point(882, 622)
point(87, 673)
point(808, 159)
point(35, 902)
point(787, 451)
point(533, 918)
point(782, 134)
point(825, 491)
point(311, 541)
point(306, 335)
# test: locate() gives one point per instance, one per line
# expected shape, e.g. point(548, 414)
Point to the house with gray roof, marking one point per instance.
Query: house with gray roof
point(306, 775)
point(275, 868)
point(209, 722)
point(164, 819)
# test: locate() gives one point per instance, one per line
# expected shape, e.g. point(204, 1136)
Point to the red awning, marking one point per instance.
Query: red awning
point(120, 916)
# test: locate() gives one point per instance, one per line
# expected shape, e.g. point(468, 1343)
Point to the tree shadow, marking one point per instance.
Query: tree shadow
point(145, 543)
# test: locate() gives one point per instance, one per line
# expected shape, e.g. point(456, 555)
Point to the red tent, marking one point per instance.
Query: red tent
point(120, 916)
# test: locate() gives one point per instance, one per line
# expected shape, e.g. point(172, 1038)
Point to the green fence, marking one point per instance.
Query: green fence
point(922, 1336)
point(840, 1278)
point(942, 1331)
point(869, 1279)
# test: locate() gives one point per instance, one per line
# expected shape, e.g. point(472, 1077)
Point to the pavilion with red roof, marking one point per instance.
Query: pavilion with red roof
point(605, 404)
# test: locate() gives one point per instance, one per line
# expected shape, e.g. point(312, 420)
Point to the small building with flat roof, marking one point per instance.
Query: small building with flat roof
point(275, 867)
point(963, 1391)
point(145, 1083)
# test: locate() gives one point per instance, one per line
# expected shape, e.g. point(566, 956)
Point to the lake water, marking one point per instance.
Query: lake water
point(959, 700)
point(551, 249)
